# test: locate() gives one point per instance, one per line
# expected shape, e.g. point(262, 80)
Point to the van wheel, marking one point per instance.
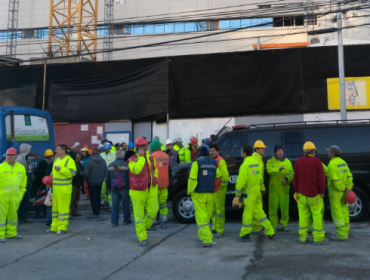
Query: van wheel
point(359, 210)
point(183, 208)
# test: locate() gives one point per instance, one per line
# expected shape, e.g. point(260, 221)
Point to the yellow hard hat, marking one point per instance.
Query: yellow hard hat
point(84, 149)
point(309, 146)
point(48, 153)
point(259, 144)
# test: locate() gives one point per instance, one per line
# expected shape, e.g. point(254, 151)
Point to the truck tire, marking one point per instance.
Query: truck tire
point(359, 210)
point(183, 208)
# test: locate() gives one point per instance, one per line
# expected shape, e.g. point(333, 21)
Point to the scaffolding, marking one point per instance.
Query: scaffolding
point(73, 28)
point(108, 28)
point(12, 28)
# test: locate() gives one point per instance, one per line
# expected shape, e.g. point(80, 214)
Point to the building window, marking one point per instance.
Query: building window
point(292, 142)
point(27, 34)
point(246, 23)
point(288, 21)
point(231, 144)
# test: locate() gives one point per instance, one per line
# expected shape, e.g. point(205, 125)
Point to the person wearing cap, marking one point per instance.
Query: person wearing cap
point(64, 169)
point(259, 151)
point(180, 149)
point(13, 184)
point(192, 151)
point(218, 214)
point(102, 143)
point(309, 183)
point(172, 153)
point(157, 138)
point(162, 163)
point(204, 176)
point(130, 150)
point(143, 176)
point(109, 156)
point(281, 172)
point(339, 182)
point(248, 184)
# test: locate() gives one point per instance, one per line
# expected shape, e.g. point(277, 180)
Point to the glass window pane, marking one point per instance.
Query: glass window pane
point(137, 29)
point(224, 24)
point(256, 22)
point(149, 28)
point(230, 145)
point(245, 22)
point(190, 27)
point(179, 27)
point(235, 23)
point(201, 26)
point(169, 28)
point(159, 28)
point(267, 22)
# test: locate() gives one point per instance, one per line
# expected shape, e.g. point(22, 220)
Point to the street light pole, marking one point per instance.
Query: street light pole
point(342, 90)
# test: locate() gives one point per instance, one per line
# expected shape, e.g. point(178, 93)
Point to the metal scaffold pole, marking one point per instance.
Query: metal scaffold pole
point(342, 84)
point(108, 27)
point(12, 28)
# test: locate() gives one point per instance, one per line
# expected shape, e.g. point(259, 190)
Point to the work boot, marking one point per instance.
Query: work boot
point(325, 241)
point(201, 244)
point(152, 228)
point(127, 223)
point(214, 231)
point(2, 240)
point(279, 228)
point(219, 235)
point(164, 225)
point(271, 236)
point(245, 238)
point(157, 222)
point(304, 242)
point(50, 231)
point(114, 225)
point(335, 238)
point(15, 237)
point(143, 243)
point(61, 232)
point(285, 229)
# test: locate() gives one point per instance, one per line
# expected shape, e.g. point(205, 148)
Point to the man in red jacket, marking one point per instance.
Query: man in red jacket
point(309, 182)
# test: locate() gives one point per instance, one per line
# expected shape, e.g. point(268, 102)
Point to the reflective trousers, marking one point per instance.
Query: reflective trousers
point(279, 198)
point(141, 201)
point(61, 207)
point(256, 225)
point(253, 211)
point(105, 196)
point(218, 214)
point(310, 207)
point(9, 214)
point(339, 213)
point(203, 205)
point(162, 200)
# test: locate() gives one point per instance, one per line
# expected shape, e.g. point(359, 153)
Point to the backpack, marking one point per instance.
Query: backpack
point(118, 181)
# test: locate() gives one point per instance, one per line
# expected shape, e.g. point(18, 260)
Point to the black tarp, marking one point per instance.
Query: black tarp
point(99, 92)
point(232, 84)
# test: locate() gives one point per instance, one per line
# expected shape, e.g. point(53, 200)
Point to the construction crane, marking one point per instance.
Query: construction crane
point(73, 28)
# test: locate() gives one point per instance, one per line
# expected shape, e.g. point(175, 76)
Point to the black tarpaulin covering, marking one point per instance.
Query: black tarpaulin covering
point(259, 82)
point(104, 92)
point(25, 96)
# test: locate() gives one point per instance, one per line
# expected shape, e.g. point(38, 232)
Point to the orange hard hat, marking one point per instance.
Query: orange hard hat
point(11, 151)
point(350, 197)
point(193, 140)
point(140, 141)
point(47, 180)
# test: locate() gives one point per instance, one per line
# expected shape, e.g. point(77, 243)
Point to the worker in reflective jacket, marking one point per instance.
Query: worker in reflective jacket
point(13, 183)
point(218, 214)
point(204, 175)
point(191, 152)
point(64, 169)
point(180, 149)
point(249, 183)
point(143, 176)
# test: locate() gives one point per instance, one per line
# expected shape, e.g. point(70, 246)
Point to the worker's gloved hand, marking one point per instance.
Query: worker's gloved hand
point(235, 198)
point(237, 202)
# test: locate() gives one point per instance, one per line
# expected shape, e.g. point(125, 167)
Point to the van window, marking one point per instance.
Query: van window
point(28, 128)
point(231, 144)
point(292, 142)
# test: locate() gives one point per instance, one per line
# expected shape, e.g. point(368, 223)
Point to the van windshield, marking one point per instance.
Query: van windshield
point(27, 128)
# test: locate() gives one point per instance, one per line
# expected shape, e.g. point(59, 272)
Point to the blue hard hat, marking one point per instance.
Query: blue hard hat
point(131, 145)
point(107, 146)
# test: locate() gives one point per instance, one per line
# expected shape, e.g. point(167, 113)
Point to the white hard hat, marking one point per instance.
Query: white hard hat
point(169, 141)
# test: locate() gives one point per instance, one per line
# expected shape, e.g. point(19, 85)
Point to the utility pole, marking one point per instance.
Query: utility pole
point(342, 83)
point(11, 44)
point(108, 35)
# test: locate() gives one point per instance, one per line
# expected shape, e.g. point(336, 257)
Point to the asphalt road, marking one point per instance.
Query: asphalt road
point(95, 250)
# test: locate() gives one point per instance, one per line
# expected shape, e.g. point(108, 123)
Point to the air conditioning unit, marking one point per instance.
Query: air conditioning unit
point(318, 40)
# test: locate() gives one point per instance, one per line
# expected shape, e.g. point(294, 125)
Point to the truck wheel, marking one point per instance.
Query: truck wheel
point(359, 210)
point(183, 208)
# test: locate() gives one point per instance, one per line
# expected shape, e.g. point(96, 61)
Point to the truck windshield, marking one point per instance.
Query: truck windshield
point(27, 128)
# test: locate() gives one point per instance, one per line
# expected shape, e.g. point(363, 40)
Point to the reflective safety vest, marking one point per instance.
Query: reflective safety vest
point(191, 153)
point(13, 181)
point(181, 152)
point(109, 158)
point(142, 172)
point(162, 162)
point(224, 172)
point(67, 171)
point(206, 175)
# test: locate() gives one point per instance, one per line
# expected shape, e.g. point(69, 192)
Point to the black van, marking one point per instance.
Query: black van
point(352, 137)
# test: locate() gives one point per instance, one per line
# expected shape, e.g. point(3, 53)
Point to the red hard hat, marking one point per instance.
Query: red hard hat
point(140, 141)
point(47, 180)
point(11, 151)
point(350, 197)
point(193, 140)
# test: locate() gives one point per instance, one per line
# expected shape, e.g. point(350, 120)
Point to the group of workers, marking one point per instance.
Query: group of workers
point(145, 175)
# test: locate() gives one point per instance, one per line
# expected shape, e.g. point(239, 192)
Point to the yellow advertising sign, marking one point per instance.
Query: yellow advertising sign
point(357, 93)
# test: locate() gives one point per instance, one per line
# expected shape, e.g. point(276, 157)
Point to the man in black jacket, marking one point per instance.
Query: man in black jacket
point(94, 174)
point(77, 183)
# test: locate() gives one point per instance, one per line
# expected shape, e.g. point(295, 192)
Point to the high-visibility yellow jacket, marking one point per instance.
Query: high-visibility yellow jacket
point(249, 176)
point(67, 171)
point(258, 157)
point(13, 180)
point(109, 158)
point(181, 152)
point(339, 176)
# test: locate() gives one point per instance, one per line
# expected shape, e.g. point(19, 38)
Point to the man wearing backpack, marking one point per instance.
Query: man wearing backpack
point(118, 185)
